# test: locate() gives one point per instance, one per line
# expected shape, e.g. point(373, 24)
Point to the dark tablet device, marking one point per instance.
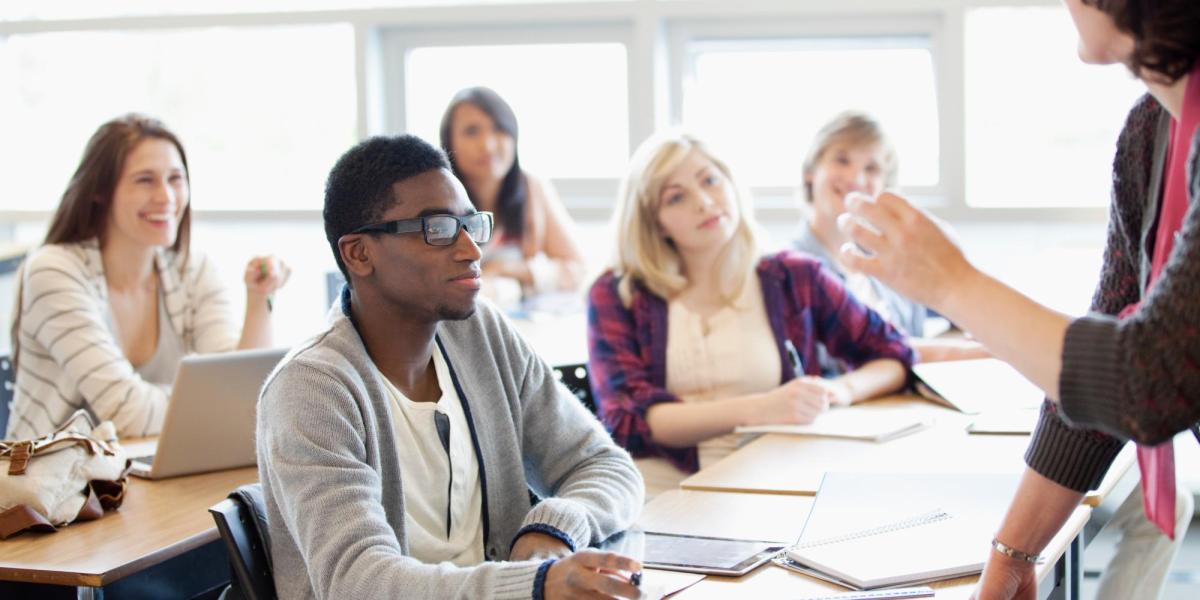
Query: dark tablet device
point(708, 555)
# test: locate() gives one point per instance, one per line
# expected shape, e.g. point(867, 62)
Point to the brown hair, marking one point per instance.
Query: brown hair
point(84, 210)
point(1166, 33)
point(855, 129)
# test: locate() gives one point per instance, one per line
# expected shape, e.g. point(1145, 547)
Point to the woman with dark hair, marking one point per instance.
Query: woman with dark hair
point(533, 244)
point(1128, 371)
point(114, 298)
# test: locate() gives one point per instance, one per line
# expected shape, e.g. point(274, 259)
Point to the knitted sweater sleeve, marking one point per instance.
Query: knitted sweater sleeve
point(589, 486)
point(1139, 377)
point(1074, 457)
point(1128, 379)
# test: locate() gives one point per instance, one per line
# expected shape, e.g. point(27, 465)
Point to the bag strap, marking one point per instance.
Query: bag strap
point(21, 517)
point(19, 455)
point(19, 452)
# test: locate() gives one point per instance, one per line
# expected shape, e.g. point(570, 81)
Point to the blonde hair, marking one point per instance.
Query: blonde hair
point(644, 255)
point(855, 129)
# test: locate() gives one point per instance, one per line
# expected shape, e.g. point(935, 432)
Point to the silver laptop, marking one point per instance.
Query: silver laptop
point(209, 425)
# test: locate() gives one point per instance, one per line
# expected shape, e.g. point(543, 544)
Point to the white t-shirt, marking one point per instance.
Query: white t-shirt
point(434, 481)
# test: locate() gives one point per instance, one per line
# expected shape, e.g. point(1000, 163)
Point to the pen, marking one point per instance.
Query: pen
point(891, 594)
point(262, 270)
point(794, 356)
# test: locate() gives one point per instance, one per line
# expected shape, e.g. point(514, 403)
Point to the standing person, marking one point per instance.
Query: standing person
point(535, 245)
point(851, 153)
point(1127, 371)
point(398, 447)
point(115, 296)
point(693, 333)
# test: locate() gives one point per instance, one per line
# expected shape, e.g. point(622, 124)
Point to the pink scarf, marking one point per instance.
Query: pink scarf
point(1157, 463)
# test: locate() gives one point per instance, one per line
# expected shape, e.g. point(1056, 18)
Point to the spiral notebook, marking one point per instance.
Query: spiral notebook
point(877, 530)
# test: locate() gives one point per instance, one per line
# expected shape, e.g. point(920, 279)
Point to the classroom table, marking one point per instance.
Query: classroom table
point(772, 517)
point(790, 464)
point(159, 521)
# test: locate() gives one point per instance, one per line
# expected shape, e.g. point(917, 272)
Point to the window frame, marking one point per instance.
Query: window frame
point(656, 33)
point(684, 33)
point(397, 42)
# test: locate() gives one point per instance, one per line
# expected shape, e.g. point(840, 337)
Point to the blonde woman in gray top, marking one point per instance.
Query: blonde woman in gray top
point(114, 298)
point(851, 153)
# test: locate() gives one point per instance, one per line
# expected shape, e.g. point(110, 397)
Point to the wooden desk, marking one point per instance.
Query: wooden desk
point(158, 520)
point(771, 517)
point(1120, 478)
point(789, 464)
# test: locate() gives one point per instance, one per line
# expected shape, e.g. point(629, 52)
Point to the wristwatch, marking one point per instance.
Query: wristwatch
point(1013, 553)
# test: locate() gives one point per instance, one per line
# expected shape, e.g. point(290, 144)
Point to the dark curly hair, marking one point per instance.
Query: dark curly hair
point(359, 188)
point(1166, 33)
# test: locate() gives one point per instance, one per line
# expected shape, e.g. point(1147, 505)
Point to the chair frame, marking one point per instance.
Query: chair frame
point(248, 555)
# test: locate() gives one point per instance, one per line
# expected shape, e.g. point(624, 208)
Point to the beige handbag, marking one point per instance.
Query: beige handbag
point(73, 474)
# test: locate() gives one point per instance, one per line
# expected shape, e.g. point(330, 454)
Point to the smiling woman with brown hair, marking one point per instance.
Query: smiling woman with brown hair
point(115, 297)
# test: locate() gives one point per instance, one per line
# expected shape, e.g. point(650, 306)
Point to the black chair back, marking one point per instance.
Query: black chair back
point(242, 520)
point(7, 381)
point(575, 377)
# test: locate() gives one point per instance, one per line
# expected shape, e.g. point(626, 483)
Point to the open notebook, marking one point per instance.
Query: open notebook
point(878, 530)
point(854, 422)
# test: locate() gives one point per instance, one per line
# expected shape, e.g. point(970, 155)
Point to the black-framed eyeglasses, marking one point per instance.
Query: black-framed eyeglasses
point(439, 230)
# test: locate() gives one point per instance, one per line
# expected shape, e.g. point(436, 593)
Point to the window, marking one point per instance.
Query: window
point(571, 100)
point(759, 103)
point(84, 9)
point(1041, 126)
point(262, 112)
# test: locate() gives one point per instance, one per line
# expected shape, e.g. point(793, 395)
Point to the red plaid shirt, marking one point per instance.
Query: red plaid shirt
point(627, 347)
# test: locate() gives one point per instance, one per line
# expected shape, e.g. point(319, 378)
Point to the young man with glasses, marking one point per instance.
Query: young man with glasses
point(396, 449)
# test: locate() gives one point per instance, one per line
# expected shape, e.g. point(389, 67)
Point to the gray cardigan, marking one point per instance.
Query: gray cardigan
point(327, 458)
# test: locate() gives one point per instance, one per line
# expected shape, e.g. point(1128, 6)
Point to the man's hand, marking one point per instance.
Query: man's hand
point(592, 574)
point(533, 545)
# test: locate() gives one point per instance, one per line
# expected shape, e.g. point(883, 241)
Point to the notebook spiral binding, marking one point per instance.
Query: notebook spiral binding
point(925, 519)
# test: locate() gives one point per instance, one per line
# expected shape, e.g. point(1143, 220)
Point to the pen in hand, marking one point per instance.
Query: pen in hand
point(794, 357)
point(262, 274)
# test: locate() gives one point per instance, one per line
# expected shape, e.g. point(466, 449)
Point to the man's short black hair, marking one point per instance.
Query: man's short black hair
point(359, 188)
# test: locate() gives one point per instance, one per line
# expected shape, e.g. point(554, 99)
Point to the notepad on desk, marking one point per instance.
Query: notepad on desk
point(877, 530)
point(974, 386)
point(855, 422)
point(1020, 421)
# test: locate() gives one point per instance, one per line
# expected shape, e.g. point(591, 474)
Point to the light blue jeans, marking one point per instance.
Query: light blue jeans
point(1143, 554)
